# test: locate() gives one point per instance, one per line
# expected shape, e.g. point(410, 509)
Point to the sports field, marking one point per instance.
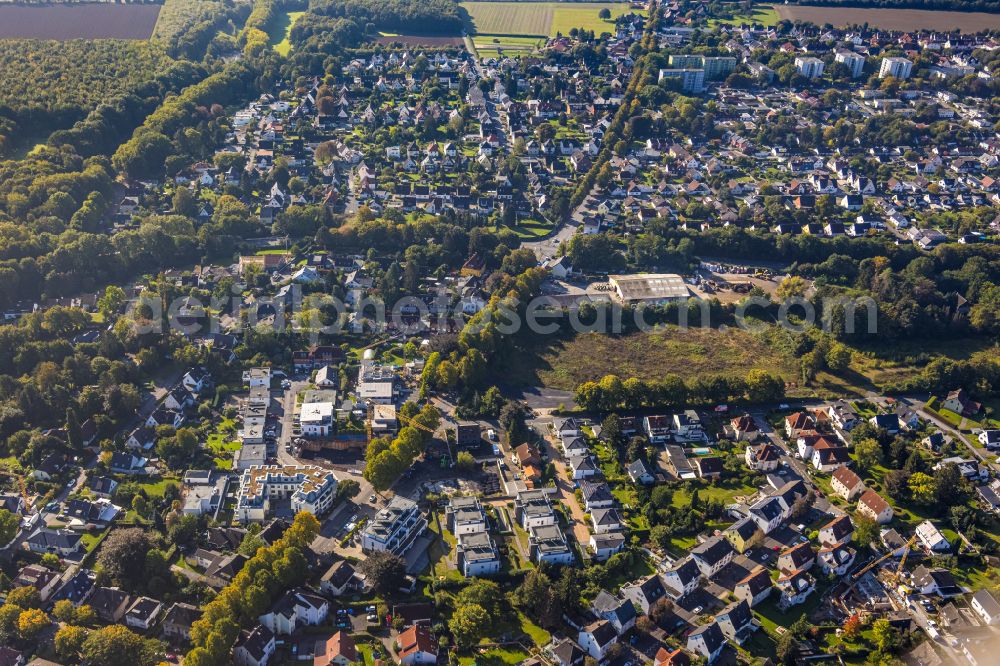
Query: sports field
point(892, 19)
point(543, 19)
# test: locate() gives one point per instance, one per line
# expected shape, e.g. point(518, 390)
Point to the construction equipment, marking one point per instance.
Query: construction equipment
point(856, 576)
point(902, 560)
point(416, 424)
point(877, 561)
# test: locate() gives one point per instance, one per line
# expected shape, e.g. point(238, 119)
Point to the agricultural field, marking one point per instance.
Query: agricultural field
point(765, 15)
point(84, 21)
point(892, 19)
point(542, 19)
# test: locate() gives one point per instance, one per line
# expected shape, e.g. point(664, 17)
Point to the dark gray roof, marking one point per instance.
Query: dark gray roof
point(711, 634)
point(713, 551)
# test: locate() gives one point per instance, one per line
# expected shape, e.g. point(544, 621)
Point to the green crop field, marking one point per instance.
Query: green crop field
point(765, 15)
point(540, 18)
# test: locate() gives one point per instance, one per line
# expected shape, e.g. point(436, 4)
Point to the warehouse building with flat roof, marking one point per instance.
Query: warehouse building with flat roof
point(649, 288)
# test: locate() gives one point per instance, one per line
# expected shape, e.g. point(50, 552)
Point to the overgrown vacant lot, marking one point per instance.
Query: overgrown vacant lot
point(85, 21)
point(565, 364)
point(892, 19)
point(540, 18)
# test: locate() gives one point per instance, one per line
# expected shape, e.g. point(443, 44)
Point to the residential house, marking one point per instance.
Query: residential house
point(566, 652)
point(606, 545)
point(838, 531)
point(931, 538)
point(477, 555)
point(958, 401)
point(986, 607)
point(744, 428)
point(395, 527)
point(341, 578)
point(61, 542)
point(295, 608)
point(835, 560)
point(338, 650)
point(596, 638)
point(794, 588)
point(763, 457)
point(178, 619)
point(44, 580)
point(548, 544)
point(677, 657)
point(682, 579)
point(768, 513)
point(255, 647)
point(872, 505)
point(712, 556)
point(109, 603)
point(935, 581)
point(846, 483)
point(990, 438)
point(707, 641)
point(797, 423)
point(658, 428)
point(645, 593)
point(799, 557)
point(736, 621)
point(755, 587)
point(417, 646)
point(619, 612)
point(708, 467)
point(142, 614)
point(640, 473)
point(744, 534)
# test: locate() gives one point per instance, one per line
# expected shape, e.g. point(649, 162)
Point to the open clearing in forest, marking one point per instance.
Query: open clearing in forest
point(892, 19)
point(280, 31)
point(85, 21)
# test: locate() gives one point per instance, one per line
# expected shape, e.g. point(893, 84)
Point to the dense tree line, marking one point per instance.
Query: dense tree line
point(403, 16)
point(611, 392)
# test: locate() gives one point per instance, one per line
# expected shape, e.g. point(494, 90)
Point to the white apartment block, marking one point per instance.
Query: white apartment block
point(308, 487)
point(898, 68)
point(394, 528)
point(809, 67)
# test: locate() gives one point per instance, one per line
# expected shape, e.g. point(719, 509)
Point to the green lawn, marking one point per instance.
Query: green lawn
point(538, 635)
point(494, 657)
point(527, 229)
point(723, 491)
point(157, 488)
